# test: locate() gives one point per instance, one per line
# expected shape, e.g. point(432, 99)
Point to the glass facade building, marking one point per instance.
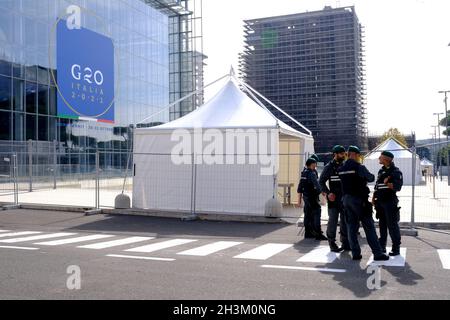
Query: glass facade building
point(144, 43)
point(312, 66)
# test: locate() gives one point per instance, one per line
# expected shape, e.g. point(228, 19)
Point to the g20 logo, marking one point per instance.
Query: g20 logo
point(87, 75)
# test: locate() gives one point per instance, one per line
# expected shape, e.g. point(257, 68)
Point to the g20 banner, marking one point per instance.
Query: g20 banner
point(85, 74)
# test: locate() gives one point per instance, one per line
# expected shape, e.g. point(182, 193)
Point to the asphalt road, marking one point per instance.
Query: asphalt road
point(233, 265)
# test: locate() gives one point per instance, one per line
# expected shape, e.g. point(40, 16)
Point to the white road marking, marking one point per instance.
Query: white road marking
point(33, 238)
point(16, 234)
point(305, 268)
point(320, 254)
point(74, 240)
point(397, 261)
point(18, 248)
point(264, 252)
point(138, 257)
point(115, 243)
point(444, 255)
point(210, 248)
point(160, 245)
point(4, 230)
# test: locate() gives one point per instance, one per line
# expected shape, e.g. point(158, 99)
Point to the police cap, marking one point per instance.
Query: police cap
point(354, 149)
point(388, 154)
point(338, 149)
point(315, 157)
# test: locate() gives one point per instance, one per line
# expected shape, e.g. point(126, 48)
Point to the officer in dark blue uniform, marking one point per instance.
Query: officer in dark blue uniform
point(354, 177)
point(389, 182)
point(316, 157)
point(309, 190)
point(333, 192)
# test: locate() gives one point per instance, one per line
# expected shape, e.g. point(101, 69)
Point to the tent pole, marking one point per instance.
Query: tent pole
point(276, 107)
point(181, 99)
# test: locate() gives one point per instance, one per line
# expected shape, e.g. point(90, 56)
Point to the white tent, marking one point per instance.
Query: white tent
point(226, 180)
point(427, 166)
point(402, 159)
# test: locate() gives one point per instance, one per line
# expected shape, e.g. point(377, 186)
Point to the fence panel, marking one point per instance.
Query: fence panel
point(115, 176)
point(7, 178)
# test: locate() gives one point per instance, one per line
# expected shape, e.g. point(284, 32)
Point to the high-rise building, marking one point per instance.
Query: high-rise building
point(155, 45)
point(312, 66)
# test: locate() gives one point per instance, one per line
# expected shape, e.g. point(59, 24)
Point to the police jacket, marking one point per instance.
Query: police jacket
point(309, 186)
point(395, 176)
point(330, 173)
point(354, 177)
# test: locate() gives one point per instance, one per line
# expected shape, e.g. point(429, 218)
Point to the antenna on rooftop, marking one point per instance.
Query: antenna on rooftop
point(232, 73)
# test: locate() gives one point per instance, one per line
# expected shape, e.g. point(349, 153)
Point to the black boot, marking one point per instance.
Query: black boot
point(321, 237)
point(381, 257)
point(334, 247)
point(394, 252)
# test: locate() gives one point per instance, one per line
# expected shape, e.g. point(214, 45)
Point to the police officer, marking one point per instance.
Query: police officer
point(389, 182)
point(316, 157)
point(333, 194)
point(354, 177)
point(309, 190)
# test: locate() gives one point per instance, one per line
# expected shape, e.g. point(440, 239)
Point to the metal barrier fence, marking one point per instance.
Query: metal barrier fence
point(93, 180)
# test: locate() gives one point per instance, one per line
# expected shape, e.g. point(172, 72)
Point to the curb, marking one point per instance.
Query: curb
point(186, 216)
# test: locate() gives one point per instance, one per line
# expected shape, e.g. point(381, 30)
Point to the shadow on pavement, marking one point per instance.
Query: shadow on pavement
point(170, 226)
point(355, 279)
point(405, 276)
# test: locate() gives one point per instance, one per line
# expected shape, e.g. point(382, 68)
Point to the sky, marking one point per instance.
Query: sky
point(407, 53)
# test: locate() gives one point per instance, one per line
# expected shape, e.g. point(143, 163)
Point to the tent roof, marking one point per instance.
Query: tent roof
point(426, 162)
point(391, 145)
point(229, 108)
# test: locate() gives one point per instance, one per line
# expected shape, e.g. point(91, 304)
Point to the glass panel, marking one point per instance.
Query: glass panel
point(31, 127)
point(52, 101)
point(5, 67)
point(31, 97)
point(17, 70)
point(43, 76)
point(43, 128)
point(30, 73)
point(18, 90)
point(5, 93)
point(43, 99)
point(52, 129)
point(5, 125)
point(18, 129)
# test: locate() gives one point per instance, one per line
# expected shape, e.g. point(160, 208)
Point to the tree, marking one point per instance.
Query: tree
point(445, 122)
point(443, 155)
point(396, 134)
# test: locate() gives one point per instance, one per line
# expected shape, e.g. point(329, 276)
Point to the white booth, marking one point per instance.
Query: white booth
point(230, 156)
point(403, 159)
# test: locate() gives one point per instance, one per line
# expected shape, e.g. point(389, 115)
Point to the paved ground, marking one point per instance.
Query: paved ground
point(152, 258)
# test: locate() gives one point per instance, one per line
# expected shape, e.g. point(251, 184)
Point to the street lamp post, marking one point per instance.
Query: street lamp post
point(435, 153)
point(446, 134)
point(438, 114)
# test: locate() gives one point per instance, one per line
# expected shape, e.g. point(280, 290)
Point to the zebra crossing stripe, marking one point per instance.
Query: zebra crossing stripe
point(16, 234)
point(210, 248)
point(115, 243)
point(18, 248)
point(160, 245)
point(321, 254)
point(139, 257)
point(74, 240)
point(4, 231)
point(264, 252)
point(444, 255)
point(41, 237)
point(397, 261)
point(304, 268)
